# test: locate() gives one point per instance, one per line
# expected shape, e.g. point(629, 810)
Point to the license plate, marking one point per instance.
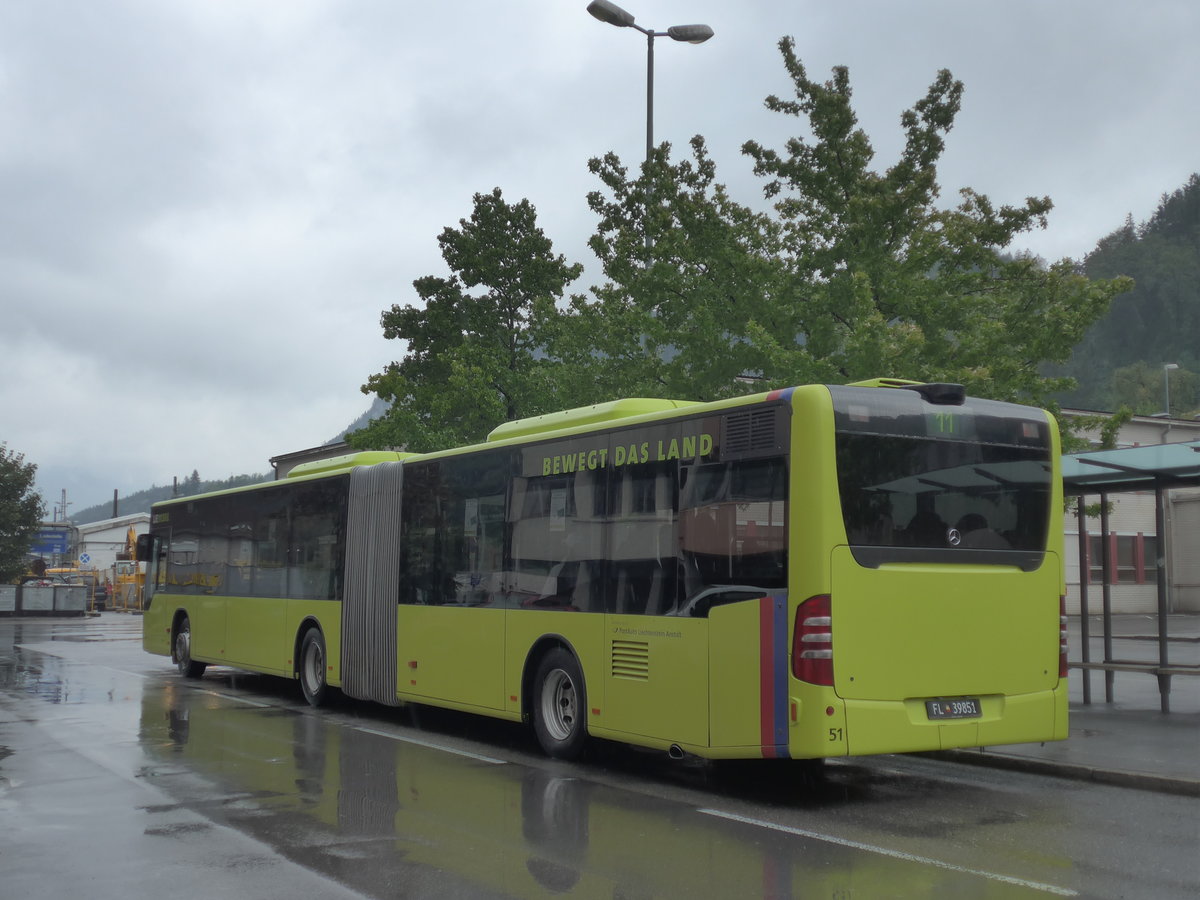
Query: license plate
point(964, 708)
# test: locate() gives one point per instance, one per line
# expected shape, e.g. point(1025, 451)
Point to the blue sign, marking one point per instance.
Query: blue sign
point(52, 540)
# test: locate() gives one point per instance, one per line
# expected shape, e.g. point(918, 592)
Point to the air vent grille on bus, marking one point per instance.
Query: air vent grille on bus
point(750, 431)
point(631, 659)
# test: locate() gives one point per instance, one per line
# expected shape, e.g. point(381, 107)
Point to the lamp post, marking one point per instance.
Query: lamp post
point(691, 34)
point(1167, 368)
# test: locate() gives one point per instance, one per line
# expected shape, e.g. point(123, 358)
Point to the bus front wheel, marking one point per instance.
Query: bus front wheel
point(188, 667)
point(560, 705)
point(312, 667)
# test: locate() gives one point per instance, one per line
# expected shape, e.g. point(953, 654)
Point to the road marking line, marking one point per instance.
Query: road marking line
point(895, 854)
point(237, 699)
point(429, 745)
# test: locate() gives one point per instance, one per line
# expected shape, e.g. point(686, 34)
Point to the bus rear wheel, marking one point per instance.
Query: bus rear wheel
point(312, 667)
point(560, 705)
point(188, 667)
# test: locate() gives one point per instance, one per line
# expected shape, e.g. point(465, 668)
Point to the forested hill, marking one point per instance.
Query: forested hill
point(1122, 357)
point(142, 500)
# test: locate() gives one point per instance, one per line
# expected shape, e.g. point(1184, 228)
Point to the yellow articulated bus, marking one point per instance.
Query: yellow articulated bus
point(814, 572)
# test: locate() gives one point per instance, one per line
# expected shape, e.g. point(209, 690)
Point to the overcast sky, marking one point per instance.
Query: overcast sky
point(207, 204)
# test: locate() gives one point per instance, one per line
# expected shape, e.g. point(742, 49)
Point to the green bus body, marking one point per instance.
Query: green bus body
point(821, 571)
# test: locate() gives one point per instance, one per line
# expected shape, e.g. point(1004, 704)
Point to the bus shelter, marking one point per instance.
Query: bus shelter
point(1158, 468)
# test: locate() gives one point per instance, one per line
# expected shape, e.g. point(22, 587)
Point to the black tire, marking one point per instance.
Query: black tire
point(560, 705)
point(187, 666)
point(312, 667)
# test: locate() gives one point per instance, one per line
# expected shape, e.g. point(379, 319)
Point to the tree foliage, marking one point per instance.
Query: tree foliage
point(191, 485)
point(1157, 321)
point(1144, 388)
point(857, 273)
point(141, 501)
point(21, 511)
point(474, 357)
point(884, 280)
point(854, 272)
point(689, 274)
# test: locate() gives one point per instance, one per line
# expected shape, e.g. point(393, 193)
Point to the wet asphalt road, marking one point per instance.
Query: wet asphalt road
point(118, 779)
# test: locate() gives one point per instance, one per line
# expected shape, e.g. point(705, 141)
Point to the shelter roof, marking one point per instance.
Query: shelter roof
point(1132, 469)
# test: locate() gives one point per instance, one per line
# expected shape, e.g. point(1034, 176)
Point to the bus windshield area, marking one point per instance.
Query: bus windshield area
point(971, 479)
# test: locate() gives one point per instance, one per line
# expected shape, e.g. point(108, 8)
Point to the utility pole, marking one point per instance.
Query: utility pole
point(60, 508)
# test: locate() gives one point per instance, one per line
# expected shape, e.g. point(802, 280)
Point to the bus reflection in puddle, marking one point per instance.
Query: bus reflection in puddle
point(384, 816)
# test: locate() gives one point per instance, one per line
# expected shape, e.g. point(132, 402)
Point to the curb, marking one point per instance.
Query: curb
point(1142, 781)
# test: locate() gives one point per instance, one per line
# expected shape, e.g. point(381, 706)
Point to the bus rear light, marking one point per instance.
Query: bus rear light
point(1062, 637)
point(812, 642)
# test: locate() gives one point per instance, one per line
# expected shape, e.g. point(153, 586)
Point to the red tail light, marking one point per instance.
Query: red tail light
point(1062, 637)
point(812, 642)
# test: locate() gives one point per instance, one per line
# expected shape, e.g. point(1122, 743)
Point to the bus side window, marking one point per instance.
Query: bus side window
point(454, 531)
point(644, 539)
point(421, 535)
point(556, 538)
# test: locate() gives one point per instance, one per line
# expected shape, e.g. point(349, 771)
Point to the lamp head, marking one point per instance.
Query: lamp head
point(693, 34)
point(610, 13)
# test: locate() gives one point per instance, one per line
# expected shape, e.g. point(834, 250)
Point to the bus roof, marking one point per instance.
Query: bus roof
point(580, 419)
point(346, 461)
point(597, 414)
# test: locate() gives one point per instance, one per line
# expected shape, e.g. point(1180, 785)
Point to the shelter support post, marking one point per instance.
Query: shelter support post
point(1084, 636)
point(1106, 590)
point(1160, 525)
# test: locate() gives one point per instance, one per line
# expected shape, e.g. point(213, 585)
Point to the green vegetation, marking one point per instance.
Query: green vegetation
point(854, 273)
point(1121, 359)
point(141, 501)
point(21, 511)
point(473, 359)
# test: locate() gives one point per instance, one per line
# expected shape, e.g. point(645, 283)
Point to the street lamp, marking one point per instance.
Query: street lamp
point(1167, 369)
point(691, 34)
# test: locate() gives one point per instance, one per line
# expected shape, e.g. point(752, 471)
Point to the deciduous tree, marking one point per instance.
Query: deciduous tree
point(853, 273)
point(691, 276)
point(885, 280)
point(1143, 387)
point(1158, 320)
point(474, 352)
point(857, 273)
point(21, 511)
